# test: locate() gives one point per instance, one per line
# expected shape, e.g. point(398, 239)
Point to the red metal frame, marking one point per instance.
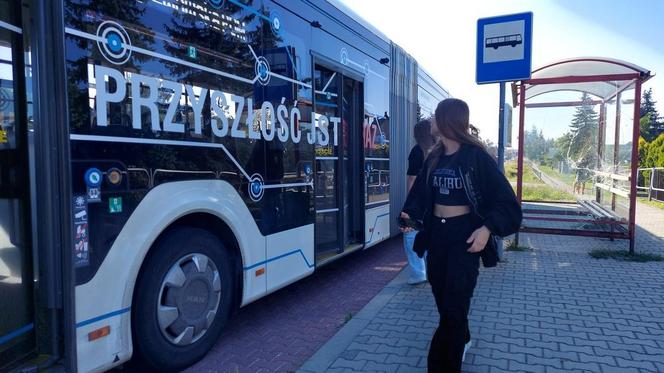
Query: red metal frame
point(637, 78)
point(594, 221)
point(562, 213)
point(554, 212)
point(560, 202)
point(635, 165)
point(519, 167)
point(574, 232)
point(583, 79)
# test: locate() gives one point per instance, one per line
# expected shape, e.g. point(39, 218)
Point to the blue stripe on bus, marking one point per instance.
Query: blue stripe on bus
point(16, 333)
point(279, 257)
point(103, 317)
point(309, 265)
point(125, 310)
point(374, 227)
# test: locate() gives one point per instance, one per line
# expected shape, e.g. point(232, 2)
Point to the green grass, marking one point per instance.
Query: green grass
point(512, 246)
point(528, 175)
point(625, 256)
point(653, 203)
point(545, 193)
point(541, 192)
point(566, 178)
point(349, 316)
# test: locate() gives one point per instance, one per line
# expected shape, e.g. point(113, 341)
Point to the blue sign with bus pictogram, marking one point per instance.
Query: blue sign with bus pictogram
point(504, 48)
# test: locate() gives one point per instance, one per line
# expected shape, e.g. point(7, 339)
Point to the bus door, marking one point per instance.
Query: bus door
point(17, 337)
point(339, 172)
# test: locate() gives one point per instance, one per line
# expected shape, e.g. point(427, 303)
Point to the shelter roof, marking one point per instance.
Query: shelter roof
point(598, 76)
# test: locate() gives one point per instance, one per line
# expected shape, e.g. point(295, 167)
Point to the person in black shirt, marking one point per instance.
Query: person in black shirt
point(422, 134)
point(463, 202)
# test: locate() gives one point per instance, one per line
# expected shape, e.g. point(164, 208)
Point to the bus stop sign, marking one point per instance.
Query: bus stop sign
point(504, 48)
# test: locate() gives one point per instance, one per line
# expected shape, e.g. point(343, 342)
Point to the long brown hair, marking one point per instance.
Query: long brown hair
point(453, 122)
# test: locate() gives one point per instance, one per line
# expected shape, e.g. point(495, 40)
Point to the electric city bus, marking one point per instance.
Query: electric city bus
point(164, 163)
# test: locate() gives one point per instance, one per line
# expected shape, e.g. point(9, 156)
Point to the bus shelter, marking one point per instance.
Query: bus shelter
point(607, 162)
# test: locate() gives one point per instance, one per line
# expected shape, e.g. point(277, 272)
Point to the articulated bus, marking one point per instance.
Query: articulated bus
point(164, 163)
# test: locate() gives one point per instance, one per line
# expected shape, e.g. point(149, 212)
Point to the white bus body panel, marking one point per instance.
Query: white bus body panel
point(101, 301)
point(290, 257)
point(377, 225)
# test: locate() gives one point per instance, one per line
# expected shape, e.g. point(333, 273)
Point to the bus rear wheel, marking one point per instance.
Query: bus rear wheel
point(182, 299)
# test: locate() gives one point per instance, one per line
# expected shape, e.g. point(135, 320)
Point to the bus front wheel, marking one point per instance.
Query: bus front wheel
point(182, 300)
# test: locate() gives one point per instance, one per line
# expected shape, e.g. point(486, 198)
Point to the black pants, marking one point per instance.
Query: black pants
point(452, 273)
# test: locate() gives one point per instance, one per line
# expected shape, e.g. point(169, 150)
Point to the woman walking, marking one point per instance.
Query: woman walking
point(464, 202)
point(424, 139)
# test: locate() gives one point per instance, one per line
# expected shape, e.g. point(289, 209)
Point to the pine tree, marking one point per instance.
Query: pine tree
point(654, 125)
point(655, 153)
point(582, 151)
point(535, 146)
point(561, 145)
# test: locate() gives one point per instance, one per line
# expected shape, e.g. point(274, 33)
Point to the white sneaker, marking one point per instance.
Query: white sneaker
point(413, 281)
point(465, 349)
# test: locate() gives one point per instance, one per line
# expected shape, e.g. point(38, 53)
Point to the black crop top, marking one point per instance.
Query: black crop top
point(447, 184)
point(415, 161)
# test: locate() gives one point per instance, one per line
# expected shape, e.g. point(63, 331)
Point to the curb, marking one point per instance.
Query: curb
point(326, 355)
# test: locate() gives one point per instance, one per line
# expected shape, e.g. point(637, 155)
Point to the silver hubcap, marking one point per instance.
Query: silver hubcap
point(189, 299)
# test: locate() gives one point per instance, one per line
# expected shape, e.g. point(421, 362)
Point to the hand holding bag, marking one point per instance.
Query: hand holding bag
point(489, 255)
point(422, 242)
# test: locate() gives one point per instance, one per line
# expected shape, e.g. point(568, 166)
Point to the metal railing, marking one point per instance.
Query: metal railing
point(655, 185)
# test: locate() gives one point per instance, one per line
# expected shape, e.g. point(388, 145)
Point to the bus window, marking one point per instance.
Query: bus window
point(16, 303)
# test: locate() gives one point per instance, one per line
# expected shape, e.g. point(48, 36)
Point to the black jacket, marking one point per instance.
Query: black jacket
point(492, 200)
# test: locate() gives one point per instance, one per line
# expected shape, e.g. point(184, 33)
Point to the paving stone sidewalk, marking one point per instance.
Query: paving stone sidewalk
point(552, 309)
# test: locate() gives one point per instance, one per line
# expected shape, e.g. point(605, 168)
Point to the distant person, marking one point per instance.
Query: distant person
point(580, 181)
point(463, 202)
point(577, 182)
point(422, 134)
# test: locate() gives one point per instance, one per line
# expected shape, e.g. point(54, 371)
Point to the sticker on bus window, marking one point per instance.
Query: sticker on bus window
point(115, 205)
point(93, 194)
point(93, 179)
point(81, 242)
point(191, 52)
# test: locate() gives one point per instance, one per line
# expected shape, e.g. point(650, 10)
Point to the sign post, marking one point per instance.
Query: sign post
point(501, 128)
point(504, 53)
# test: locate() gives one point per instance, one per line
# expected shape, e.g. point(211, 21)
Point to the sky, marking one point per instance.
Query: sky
point(441, 35)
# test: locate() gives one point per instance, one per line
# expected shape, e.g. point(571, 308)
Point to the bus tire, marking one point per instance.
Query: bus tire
point(176, 317)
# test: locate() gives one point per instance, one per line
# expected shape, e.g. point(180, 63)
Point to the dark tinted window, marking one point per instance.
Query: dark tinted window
point(164, 76)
